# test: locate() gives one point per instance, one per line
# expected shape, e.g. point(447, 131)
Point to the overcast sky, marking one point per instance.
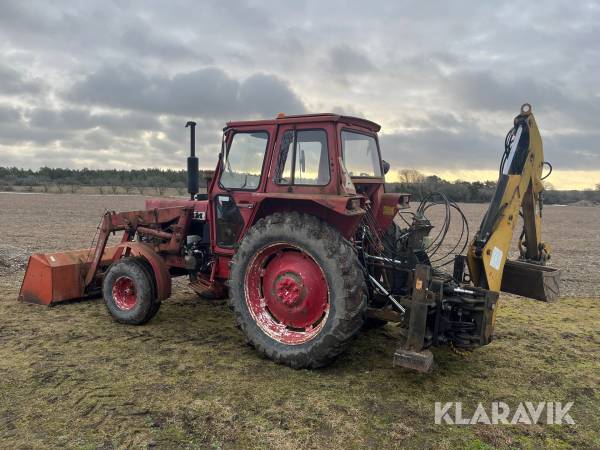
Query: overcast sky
point(106, 84)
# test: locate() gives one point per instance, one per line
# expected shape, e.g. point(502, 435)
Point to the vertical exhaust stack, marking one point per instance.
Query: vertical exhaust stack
point(192, 162)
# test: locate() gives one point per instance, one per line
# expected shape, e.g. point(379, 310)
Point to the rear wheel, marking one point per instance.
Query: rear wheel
point(297, 290)
point(129, 291)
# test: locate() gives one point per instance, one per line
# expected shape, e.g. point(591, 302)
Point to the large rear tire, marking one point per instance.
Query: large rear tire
point(297, 290)
point(129, 291)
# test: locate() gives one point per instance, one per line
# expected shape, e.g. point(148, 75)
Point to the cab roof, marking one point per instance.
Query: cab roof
point(308, 118)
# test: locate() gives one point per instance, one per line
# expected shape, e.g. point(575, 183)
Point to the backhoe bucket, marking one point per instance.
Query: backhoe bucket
point(531, 280)
point(57, 277)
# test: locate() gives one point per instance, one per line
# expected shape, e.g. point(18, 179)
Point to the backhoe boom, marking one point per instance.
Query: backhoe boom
point(518, 193)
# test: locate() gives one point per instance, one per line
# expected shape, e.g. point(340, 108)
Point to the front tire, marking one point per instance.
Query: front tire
point(129, 291)
point(297, 290)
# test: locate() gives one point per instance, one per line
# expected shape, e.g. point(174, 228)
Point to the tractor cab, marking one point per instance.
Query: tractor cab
point(327, 165)
point(300, 154)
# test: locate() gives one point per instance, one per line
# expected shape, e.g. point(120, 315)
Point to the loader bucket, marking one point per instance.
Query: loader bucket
point(56, 277)
point(531, 280)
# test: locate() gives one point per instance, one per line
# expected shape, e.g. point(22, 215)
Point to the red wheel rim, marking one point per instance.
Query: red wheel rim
point(287, 293)
point(124, 293)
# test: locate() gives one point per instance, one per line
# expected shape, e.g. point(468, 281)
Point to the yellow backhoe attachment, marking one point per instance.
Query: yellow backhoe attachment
point(518, 193)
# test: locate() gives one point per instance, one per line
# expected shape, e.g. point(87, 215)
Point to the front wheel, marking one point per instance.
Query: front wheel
point(297, 290)
point(129, 291)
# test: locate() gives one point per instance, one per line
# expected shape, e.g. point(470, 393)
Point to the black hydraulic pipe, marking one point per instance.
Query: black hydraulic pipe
point(192, 162)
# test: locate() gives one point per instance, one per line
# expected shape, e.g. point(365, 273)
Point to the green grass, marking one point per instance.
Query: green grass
point(70, 376)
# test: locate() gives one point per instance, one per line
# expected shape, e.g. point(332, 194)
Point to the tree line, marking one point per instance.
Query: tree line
point(108, 180)
point(13, 176)
point(420, 186)
point(136, 180)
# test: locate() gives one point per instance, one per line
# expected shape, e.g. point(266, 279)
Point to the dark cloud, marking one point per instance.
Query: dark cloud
point(267, 95)
point(9, 115)
point(207, 92)
point(13, 82)
point(578, 150)
point(483, 91)
point(346, 60)
point(76, 129)
point(146, 44)
point(441, 148)
point(79, 119)
point(447, 143)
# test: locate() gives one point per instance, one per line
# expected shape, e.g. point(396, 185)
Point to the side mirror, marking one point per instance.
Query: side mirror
point(386, 166)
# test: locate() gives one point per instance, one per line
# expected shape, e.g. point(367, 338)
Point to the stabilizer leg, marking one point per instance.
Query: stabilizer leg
point(411, 353)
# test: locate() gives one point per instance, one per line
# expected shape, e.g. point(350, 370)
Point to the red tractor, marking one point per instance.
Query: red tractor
point(298, 232)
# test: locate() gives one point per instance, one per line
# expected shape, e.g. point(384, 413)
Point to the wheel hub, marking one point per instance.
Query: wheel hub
point(287, 293)
point(124, 293)
point(288, 289)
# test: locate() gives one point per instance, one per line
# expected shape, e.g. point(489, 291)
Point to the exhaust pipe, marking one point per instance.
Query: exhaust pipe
point(192, 162)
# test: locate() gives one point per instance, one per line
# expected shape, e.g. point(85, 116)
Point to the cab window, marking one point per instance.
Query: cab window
point(360, 154)
point(303, 158)
point(243, 161)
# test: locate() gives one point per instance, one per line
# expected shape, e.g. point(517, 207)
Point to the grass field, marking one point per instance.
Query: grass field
point(71, 377)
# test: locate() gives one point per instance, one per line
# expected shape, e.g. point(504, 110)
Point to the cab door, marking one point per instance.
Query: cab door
point(303, 160)
point(240, 176)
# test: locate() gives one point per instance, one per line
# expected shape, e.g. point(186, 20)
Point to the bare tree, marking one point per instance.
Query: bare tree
point(114, 188)
point(410, 176)
point(413, 178)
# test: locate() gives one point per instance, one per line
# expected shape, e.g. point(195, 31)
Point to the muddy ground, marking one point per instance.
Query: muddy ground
point(71, 377)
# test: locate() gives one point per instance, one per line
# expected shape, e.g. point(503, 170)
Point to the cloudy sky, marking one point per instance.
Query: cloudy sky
point(108, 84)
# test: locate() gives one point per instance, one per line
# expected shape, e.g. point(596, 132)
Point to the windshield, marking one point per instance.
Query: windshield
point(360, 155)
point(243, 163)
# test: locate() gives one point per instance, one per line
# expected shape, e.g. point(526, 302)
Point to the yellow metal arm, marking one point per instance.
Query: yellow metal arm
point(519, 191)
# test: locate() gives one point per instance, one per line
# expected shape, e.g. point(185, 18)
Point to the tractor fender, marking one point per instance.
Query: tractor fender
point(333, 212)
point(161, 273)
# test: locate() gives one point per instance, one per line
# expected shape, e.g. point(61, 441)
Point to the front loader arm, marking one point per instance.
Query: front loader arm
point(519, 191)
point(147, 223)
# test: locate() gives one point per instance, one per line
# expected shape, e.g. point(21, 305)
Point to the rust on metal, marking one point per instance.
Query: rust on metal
point(160, 269)
point(57, 277)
